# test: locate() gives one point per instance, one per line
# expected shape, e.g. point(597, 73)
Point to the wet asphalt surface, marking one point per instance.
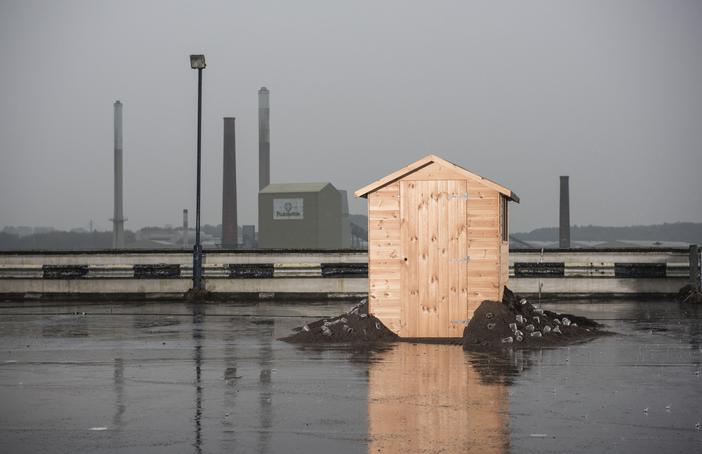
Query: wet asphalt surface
point(160, 377)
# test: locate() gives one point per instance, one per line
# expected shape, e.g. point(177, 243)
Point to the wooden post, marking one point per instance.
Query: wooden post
point(695, 266)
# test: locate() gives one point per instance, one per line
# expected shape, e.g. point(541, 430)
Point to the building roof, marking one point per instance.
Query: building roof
point(425, 161)
point(278, 188)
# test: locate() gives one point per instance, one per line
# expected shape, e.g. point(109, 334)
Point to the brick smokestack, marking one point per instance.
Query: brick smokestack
point(229, 208)
point(564, 215)
point(264, 139)
point(118, 213)
point(185, 229)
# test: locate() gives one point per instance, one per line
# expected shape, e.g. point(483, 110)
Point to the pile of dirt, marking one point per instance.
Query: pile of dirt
point(690, 294)
point(516, 323)
point(512, 323)
point(353, 326)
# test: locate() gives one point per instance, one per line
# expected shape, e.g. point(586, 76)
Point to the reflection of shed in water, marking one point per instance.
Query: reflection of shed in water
point(437, 246)
point(429, 398)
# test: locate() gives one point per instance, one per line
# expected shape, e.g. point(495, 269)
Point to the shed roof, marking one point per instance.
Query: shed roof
point(294, 187)
point(425, 161)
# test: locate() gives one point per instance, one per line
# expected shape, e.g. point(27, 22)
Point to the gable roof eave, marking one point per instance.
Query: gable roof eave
point(425, 161)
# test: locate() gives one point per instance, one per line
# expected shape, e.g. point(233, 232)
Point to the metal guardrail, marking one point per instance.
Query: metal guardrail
point(626, 270)
point(321, 251)
point(178, 271)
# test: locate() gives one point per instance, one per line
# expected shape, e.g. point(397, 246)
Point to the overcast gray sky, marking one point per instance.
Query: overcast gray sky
point(608, 92)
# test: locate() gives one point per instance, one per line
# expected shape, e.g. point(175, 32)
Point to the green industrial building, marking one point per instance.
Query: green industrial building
point(303, 216)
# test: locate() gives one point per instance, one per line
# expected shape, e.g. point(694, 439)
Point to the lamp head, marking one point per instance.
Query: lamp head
point(197, 62)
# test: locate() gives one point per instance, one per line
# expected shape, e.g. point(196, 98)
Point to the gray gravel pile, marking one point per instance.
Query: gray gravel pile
point(515, 322)
point(353, 326)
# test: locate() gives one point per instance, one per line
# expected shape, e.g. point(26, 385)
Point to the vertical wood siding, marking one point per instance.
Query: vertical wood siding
point(455, 255)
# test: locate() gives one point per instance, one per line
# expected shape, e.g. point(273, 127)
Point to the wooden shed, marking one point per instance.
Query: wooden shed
point(438, 245)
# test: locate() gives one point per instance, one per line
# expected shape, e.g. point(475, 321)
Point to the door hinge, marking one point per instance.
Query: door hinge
point(465, 259)
point(463, 196)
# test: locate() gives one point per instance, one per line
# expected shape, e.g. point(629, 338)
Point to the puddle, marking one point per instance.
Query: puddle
point(215, 378)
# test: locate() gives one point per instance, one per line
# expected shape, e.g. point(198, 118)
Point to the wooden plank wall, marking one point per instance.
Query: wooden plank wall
point(384, 259)
point(478, 234)
point(458, 266)
point(504, 248)
point(483, 245)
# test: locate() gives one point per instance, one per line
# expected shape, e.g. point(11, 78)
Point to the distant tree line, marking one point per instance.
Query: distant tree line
point(689, 232)
point(215, 230)
point(68, 241)
point(58, 240)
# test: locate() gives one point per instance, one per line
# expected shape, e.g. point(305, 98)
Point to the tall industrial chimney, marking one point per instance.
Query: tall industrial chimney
point(264, 139)
point(185, 228)
point(118, 215)
point(564, 224)
point(229, 221)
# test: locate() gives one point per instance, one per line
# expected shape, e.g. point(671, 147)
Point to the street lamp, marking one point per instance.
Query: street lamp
point(198, 62)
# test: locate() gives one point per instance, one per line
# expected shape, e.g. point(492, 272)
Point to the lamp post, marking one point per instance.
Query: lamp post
point(198, 62)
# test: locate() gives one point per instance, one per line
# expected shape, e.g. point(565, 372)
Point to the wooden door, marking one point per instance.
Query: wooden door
point(433, 277)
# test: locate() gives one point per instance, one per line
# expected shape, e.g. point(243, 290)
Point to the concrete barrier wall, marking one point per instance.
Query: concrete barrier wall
point(321, 274)
point(599, 272)
point(178, 257)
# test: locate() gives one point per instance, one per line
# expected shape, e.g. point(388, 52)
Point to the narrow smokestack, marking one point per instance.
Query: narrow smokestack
point(264, 139)
point(118, 214)
point(229, 221)
point(185, 228)
point(564, 225)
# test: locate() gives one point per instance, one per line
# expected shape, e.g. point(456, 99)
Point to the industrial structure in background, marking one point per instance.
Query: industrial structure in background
point(185, 229)
point(346, 230)
point(351, 230)
point(302, 216)
point(264, 139)
point(118, 214)
point(290, 215)
point(296, 215)
point(229, 204)
point(248, 237)
point(564, 215)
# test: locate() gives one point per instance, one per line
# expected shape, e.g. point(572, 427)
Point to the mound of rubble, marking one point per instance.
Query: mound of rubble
point(516, 323)
point(353, 326)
